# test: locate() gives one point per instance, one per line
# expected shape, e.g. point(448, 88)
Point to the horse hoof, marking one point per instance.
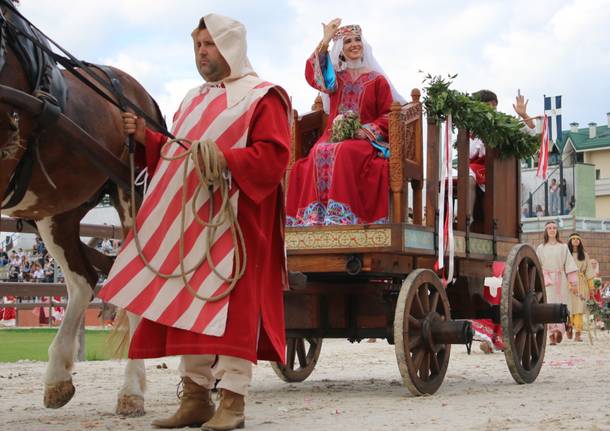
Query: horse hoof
point(58, 395)
point(130, 406)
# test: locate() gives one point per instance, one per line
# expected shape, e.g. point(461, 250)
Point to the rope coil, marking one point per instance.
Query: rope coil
point(212, 175)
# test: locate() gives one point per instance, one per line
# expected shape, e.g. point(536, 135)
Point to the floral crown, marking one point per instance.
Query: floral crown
point(352, 29)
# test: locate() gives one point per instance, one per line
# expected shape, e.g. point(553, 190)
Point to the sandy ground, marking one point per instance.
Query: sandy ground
point(354, 387)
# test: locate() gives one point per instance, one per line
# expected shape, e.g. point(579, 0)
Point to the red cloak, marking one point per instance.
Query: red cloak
point(255, 322)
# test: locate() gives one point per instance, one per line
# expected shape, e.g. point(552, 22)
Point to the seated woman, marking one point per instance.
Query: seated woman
point(345, 182)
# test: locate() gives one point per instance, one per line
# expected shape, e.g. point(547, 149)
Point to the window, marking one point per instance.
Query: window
point(597, 174)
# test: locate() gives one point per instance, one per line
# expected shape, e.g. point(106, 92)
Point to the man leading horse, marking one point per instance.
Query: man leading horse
point(224, 311)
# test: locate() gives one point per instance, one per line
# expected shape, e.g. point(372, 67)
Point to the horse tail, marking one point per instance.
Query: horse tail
point(118, 340)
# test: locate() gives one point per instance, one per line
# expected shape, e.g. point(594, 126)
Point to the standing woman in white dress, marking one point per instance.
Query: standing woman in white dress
point(560, 274)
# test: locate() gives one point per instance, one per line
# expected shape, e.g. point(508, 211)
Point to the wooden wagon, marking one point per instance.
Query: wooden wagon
point(377, 280)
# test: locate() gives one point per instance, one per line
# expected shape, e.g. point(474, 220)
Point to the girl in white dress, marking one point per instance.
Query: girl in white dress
point(560, 274)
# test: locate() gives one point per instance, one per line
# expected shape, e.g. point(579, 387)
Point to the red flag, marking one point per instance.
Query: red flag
point(543, 154)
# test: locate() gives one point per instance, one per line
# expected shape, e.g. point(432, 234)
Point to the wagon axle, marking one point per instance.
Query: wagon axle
point(437, 332)
point(533, 313)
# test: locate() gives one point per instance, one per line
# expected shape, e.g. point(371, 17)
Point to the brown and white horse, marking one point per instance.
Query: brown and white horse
point(57, 211)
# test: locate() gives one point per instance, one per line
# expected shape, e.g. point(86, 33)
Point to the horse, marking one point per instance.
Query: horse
point(64, 185)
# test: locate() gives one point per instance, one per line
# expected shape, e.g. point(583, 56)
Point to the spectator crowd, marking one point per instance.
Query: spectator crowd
point(36, 265)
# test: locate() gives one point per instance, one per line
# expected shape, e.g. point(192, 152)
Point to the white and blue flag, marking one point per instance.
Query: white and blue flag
point(552, 109)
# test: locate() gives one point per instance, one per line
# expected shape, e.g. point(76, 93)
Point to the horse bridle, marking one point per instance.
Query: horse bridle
point(72, 64)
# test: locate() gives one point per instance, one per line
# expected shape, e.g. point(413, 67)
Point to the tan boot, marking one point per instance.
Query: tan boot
point(230, 413)
point(196, 407)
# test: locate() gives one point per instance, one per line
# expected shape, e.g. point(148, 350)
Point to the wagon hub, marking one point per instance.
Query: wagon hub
point(437, 332)
point(534, 313)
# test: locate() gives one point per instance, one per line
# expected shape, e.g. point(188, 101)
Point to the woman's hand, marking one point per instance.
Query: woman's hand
point(330, 29)
point(360, 134)
point(132, 125)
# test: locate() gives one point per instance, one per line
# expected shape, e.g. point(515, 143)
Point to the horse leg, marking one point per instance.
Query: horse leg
point(131, 396)
point(60, 234)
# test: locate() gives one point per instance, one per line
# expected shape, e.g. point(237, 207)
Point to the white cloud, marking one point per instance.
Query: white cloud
point(541, 47)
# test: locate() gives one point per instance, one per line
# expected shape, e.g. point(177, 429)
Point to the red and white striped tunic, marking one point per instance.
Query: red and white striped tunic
point(131, 285)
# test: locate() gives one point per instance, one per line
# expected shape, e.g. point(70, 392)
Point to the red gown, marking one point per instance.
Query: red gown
point(255, 321)
point(8, 312)
point(344, 182)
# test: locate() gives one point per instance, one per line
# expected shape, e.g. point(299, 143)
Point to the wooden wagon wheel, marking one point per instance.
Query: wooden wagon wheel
point(524, 341)
point(301, 358)
point(422, 302)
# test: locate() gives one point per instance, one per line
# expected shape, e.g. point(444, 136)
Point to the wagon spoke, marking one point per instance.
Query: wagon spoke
point(532, 283)
point(535, 348)
point(300, 347)
point(527, 354)
point(435, 366)
point(414, 322)
point(517, 305)
point(434, 300)
point(523, 276)
point(425, 298)
point(290, 346)
point(517, 326)
point(519, 289)
point(417, 302)
point(414, 341)
point(520, 343)
point(539, 296)
point(417, 359)
point(424, 370)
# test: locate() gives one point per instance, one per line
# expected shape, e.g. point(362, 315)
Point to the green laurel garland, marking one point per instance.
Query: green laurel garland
point(498, 130)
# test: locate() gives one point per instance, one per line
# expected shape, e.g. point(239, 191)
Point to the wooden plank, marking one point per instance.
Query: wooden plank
point(490, 190)
point(473, 268)
point(463, 179)
point(506, 198)
point(413, 170)
point(32, 289)
point(301, 311)
point(391, 263)
point(9, 224)
point(317, 263)
point(432, 173)
point(33, 305)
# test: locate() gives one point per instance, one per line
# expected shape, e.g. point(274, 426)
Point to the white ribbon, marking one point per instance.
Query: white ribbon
point(445, 198)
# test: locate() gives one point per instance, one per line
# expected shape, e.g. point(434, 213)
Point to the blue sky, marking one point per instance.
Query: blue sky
point(538, 46)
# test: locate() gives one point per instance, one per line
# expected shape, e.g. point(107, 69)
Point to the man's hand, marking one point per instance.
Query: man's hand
point(221, 158)
point(520, 107)
point(222, 161)
point(132, 125)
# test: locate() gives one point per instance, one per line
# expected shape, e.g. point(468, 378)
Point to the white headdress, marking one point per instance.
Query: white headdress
point(368, 61)
point(229, 36)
